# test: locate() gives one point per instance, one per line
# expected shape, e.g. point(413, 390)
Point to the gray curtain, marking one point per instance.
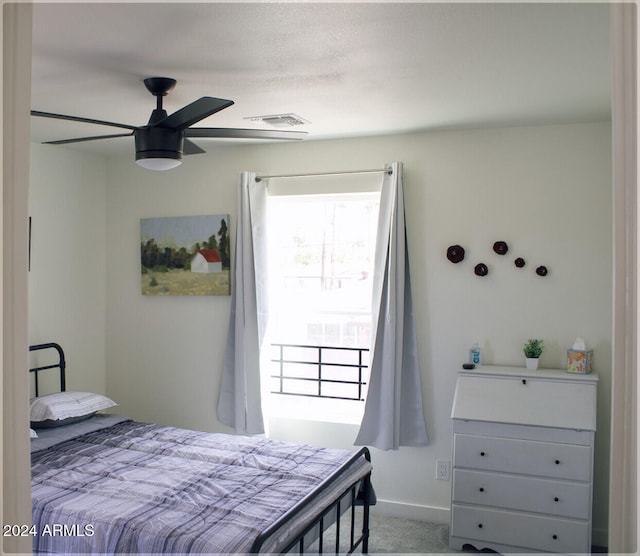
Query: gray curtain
point(239, 404)
point(393, 414)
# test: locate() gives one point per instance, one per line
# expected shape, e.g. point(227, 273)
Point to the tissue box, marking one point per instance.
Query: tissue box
point(579, 361)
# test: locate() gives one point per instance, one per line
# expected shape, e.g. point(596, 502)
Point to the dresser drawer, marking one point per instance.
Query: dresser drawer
point(545, 459)
point(535, 532)
point(531, 494)
point(535, 399)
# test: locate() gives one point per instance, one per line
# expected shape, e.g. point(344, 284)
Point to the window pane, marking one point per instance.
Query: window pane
point(322, 266)
point(321, 277)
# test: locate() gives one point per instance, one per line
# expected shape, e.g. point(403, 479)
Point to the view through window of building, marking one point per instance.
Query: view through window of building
point(321, 275)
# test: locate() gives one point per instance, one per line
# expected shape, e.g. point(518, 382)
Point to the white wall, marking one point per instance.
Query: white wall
point(546, 191)
point(67, 281)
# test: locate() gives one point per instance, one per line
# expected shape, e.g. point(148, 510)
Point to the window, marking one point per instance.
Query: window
point(321, 275)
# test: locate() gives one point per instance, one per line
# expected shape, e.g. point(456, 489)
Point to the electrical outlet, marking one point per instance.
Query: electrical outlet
point(443, 467)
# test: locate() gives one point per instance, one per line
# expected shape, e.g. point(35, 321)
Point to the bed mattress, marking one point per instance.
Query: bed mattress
point(129, 487)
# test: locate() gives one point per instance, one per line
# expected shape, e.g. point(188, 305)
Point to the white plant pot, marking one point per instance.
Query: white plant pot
point(532, 363)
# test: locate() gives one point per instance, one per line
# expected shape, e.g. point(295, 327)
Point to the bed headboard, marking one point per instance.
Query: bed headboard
point(61, 364)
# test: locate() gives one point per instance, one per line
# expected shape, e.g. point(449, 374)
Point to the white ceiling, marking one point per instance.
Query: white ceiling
point(350, 69)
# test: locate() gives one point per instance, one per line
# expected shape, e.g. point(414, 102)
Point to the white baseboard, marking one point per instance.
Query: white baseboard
point(411, 511)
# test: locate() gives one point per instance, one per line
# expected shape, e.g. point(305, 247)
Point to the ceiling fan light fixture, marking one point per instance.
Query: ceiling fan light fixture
point(158, 148)
point(158, 163)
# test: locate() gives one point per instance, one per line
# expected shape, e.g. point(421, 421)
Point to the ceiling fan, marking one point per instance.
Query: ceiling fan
point(161, 143)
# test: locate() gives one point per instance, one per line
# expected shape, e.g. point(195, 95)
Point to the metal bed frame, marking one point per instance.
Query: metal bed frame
point(61, 364)
point(360, 493)
point(356, 497)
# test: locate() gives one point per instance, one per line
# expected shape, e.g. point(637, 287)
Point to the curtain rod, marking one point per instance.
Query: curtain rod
point(385, 170)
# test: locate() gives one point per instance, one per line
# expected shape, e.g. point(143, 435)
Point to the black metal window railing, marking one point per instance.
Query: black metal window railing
point(320, 371)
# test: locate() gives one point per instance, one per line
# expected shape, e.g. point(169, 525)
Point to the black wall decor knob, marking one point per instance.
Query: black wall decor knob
point(500, 247)
point(455, 253)
point(481, 269)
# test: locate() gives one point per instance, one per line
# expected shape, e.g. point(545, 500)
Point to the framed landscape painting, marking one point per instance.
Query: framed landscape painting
point(185, 255)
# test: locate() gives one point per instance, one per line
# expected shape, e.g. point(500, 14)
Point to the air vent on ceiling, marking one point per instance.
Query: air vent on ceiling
point(279, 120)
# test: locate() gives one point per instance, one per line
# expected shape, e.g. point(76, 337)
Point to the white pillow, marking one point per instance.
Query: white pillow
point(65, 405)
point(33, 434)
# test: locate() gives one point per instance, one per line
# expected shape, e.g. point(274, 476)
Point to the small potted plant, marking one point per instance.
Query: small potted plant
point(532, 352)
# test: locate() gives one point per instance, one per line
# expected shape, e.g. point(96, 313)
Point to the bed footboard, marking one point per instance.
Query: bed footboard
point(359, 493)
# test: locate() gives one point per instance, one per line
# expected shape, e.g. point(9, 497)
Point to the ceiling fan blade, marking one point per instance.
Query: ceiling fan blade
point(81, 139)
point(80, 119)
point(194, 112)
point(232, 133)
point(189, 147)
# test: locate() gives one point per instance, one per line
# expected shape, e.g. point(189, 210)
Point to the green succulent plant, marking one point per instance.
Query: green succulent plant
point(533, 348)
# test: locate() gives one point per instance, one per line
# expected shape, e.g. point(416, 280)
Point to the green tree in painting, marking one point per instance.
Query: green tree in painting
point(149, 255)
point(182, 259)
point(223, 244)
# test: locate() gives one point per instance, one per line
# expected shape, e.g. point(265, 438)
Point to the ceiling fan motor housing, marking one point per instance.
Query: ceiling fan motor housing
point(159, 142)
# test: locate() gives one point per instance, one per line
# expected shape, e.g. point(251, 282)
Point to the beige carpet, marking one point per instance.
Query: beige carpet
point(392, 535)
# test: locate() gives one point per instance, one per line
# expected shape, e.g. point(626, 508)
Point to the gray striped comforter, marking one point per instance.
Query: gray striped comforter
point(144, 489)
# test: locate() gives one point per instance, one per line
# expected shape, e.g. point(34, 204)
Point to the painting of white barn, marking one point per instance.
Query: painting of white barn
point(185, 255)
point(206, 260)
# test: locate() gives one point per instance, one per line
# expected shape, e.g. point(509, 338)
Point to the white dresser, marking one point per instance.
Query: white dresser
point(523, 444)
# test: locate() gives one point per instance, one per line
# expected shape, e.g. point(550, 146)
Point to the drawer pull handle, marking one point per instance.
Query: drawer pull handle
point(481, 489)
point(479, 525)
point(482, 454)
point(524, 381)
point(557, 462)
point(555, 537)
point(556, 499)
